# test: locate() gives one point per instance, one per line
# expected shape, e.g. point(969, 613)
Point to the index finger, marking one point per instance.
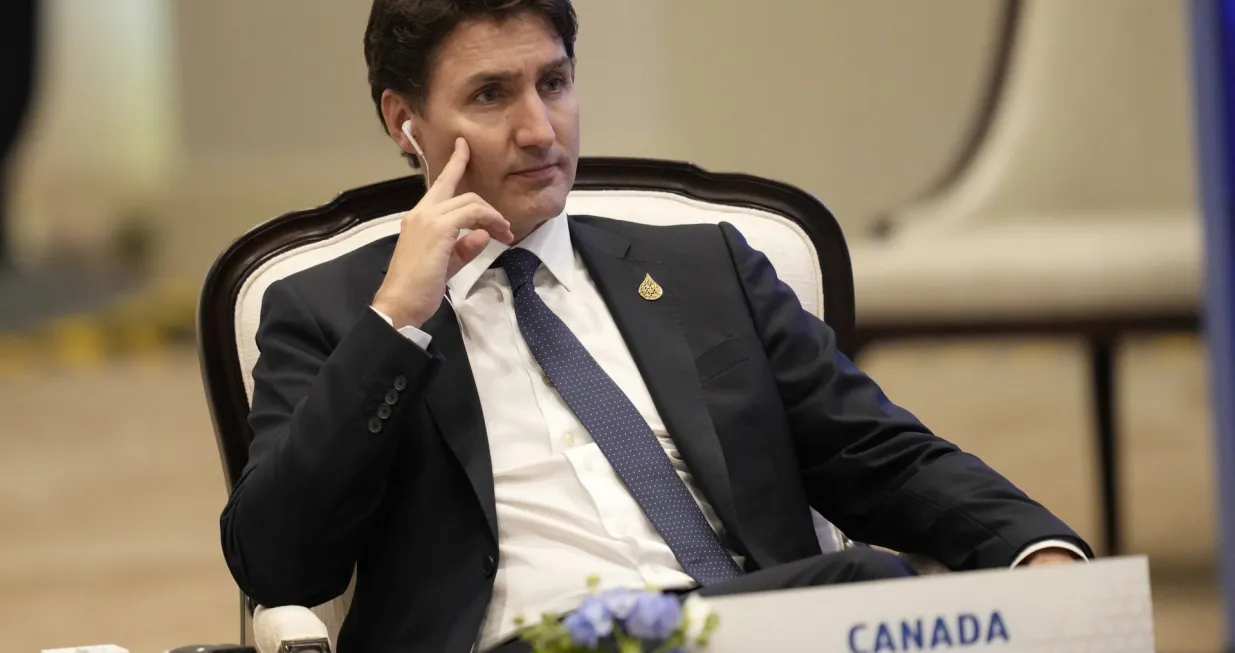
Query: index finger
point(447, 183)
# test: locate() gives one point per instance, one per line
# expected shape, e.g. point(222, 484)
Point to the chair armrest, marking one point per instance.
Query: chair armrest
point(289, 629)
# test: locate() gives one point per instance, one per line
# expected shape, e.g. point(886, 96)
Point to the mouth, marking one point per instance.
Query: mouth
point(536, 172)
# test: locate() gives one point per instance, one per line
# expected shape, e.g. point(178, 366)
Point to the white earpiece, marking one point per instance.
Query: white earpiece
point(424, 163)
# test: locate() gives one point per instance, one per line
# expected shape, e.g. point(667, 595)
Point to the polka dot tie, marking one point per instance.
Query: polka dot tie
point(618, 429)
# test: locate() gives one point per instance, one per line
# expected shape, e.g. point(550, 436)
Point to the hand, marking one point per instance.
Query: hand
point(1048, 557)
point(430, 250)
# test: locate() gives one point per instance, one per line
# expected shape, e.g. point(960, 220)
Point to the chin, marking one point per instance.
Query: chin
point(535, 209)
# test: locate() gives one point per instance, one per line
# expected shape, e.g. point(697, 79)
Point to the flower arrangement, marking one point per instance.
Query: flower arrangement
point(625, 621)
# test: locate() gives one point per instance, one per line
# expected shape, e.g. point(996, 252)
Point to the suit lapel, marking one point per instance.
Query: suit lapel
point(654, 336)
point(455, 406)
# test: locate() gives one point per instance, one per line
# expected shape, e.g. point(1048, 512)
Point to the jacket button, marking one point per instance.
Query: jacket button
point(383, 411)
point(400, 383)
point(392, 397)
point(375, 425)
point(489, 566)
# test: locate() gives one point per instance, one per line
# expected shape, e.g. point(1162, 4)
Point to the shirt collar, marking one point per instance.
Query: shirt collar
point(550, 242)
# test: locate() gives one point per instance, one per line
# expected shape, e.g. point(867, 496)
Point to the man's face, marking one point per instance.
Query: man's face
point(508, 89)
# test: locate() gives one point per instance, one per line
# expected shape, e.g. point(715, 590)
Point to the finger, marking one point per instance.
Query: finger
point(466, 249)
point(447, 183)
point(481, 216)
point(459, 201)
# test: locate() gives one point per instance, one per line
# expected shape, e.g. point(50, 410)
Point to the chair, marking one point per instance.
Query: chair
point(1074, 214)
point(797, 233)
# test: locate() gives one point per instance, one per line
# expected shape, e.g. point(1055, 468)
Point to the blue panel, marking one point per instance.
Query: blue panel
point(1213, 40)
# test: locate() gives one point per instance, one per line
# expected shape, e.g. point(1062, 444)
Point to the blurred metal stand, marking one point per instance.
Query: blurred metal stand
point(18, 47)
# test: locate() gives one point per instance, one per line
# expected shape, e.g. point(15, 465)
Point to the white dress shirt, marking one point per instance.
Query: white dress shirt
point(563, 513)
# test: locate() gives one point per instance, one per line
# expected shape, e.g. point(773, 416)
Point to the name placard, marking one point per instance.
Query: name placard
point(1103, 606)
point(106, 648)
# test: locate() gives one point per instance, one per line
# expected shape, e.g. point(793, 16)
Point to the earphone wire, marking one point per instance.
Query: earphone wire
point(424, 163)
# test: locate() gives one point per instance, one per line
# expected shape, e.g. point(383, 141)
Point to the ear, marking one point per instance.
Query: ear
point(395, 111)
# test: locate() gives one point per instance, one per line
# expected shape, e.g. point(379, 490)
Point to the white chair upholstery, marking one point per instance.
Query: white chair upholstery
point(785, 244)
point(1080, 200)
point(783, 241)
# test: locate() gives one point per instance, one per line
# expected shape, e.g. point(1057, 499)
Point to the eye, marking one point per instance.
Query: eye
point(556, 83)
point(487, 95)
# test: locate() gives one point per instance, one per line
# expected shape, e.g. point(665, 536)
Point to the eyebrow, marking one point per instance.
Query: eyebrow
point(507, 75)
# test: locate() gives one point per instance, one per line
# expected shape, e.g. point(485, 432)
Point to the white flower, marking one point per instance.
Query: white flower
point(695, 612)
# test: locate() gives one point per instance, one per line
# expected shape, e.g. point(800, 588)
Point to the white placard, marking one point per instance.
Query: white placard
point(106, 648)
point(1100, 607)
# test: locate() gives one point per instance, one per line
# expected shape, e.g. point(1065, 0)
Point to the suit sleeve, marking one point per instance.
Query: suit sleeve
point(326, 422)
point(869, 466)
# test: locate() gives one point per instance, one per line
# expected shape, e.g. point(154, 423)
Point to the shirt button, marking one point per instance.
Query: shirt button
point(569, 440)
point(392, 397)
point(400, 383)
point(375, 425)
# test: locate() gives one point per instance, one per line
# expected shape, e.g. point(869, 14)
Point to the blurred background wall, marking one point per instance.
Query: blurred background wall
point(102, 136)
point(217, 114)
point(179, 125)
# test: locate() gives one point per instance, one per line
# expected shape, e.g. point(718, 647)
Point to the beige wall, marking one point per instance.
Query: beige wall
point(862, 103)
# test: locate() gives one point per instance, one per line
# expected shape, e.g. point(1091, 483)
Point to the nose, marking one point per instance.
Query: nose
point(533, 127)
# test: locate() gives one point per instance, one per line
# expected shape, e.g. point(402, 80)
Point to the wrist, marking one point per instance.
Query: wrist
point(1049, 556)
point(399, 318)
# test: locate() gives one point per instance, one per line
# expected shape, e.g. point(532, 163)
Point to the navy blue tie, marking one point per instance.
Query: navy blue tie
point(617, 428)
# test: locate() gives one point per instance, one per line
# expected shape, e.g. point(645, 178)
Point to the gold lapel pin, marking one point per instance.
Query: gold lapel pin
point(650, 290)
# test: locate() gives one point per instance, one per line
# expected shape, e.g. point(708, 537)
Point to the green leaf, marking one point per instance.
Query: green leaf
point(678, 639)
point(548, 636)
point(557, 641)
point(626, 643)
point(709, 627)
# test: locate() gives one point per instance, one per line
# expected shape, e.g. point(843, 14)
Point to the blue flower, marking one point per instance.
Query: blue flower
point(591, 621)
point(620, 602)
point(654, 617)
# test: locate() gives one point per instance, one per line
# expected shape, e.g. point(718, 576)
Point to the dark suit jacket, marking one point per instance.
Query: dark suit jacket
point(768, 415)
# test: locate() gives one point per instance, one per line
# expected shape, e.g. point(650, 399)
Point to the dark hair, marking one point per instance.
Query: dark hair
point(403, 37)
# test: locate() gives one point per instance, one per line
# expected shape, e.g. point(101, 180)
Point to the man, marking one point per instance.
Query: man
point(476, 428)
